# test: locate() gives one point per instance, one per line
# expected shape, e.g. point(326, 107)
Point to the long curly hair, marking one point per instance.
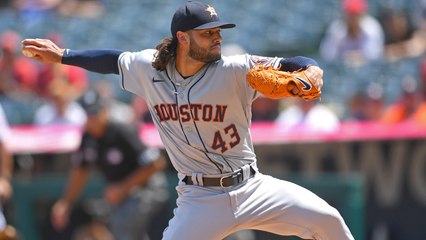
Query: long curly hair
point(166, 51)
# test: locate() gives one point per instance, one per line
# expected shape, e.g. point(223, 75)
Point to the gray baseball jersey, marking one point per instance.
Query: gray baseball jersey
point(202, 131)
point(209, 134)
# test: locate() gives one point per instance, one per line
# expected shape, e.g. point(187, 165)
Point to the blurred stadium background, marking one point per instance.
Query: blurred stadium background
point(378, 183)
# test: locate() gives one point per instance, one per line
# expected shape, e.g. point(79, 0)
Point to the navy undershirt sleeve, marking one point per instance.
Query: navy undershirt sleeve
point(296, 63)
point(100, 61)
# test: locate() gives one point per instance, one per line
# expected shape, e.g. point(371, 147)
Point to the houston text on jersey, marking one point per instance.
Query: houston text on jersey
point(186, 112)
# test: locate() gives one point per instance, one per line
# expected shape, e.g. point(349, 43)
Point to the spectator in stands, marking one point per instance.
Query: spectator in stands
point(417, 44)
point(366, 104)
point(265, 109)
point(355, 39)
point(401, 40)
point(309, 116)
point(76, 77)
point(59, 107)
point(410, 107)
point(136, 187)
point(35, 10)
point(6, 171)
point(18, 74)
point(141, 111)
point(81, 8)
point(119, 111)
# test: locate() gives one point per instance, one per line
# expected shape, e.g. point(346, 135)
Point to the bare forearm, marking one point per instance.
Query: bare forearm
point(6, 160)
point(77, 180)
point(141, 176)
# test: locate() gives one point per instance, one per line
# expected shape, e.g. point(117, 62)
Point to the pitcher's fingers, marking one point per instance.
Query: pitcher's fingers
point(31, 48)
point(35, 42)
point(37, 51)
point(291, 87)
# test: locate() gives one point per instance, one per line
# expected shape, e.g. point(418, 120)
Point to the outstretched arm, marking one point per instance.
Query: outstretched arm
point(101, 61)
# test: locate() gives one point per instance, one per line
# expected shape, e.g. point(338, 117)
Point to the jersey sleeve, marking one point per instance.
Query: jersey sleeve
point(135, 68)
point(98, 60)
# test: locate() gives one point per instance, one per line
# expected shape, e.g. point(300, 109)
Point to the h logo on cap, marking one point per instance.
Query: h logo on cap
point(211, 10)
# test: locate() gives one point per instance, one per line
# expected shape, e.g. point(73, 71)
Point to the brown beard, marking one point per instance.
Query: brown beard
point(201, 54)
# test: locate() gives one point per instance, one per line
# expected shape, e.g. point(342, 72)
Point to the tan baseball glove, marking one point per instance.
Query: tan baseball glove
point(274, 83)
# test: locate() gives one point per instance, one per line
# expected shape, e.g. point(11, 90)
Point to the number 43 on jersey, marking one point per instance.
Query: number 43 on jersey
point(226, 139)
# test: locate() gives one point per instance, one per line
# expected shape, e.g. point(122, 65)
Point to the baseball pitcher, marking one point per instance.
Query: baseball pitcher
point(201, 104)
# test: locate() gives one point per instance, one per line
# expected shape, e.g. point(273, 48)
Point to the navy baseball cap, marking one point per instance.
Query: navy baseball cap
point(198, 16)
point(92, 102)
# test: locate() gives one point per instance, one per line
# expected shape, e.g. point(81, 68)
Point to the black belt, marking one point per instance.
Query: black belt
point(227, 181)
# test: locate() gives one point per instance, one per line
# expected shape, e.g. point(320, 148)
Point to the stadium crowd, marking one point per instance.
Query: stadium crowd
point(373, 55)
point(385, 46)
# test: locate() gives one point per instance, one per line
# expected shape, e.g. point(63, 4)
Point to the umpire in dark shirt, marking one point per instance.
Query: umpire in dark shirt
point(136, 185)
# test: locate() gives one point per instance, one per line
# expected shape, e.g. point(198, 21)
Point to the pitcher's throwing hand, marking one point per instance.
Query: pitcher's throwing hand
point(42, 50)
